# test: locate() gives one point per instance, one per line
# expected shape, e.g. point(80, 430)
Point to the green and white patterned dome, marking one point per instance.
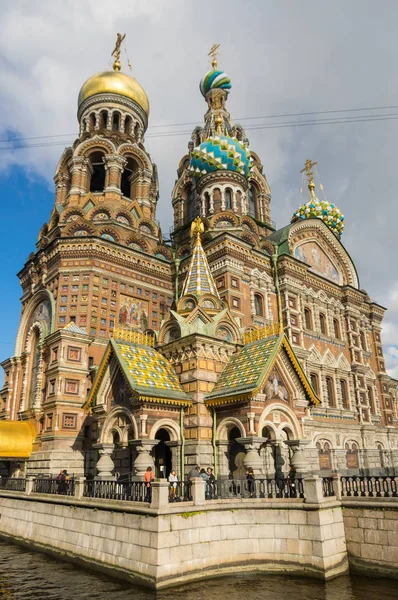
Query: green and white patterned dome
point(321, 209)
point(220, 153)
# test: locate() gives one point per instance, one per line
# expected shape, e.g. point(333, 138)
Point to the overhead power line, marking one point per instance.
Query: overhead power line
point(278, 116)
point(259, 126)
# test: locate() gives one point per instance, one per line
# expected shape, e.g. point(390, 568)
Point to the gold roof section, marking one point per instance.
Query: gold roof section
point(16, 439)
point(115, 82)
point(133, 337)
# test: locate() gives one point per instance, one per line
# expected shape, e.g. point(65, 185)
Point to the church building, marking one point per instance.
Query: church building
point(232, 344)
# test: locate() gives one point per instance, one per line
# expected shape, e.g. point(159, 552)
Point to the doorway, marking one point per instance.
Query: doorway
point(236, 455)
point(163, 464)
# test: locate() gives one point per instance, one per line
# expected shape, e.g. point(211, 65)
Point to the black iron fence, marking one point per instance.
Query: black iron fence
point(134, 491)
point(13, 484)
point(180, 491)
point(328, 488)
point(258, 488)
point(62, 487)
point(370, 487)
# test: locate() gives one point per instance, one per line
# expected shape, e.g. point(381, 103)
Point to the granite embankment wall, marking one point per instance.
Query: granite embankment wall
point(176, 543)
point(371, 529)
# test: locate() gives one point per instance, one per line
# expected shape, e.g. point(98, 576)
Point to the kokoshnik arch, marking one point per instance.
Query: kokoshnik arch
point(231, 345)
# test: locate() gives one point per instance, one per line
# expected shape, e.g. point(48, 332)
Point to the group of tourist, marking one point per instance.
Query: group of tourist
point(63, 481)
point(208, 476)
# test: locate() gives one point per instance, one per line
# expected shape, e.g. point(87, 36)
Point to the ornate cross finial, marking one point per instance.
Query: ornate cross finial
point(116, 52)
point(213, 53)
point(197, 228)
point(310, 176)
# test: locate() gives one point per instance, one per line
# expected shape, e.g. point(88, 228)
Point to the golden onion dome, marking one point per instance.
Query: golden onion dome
point(114, 82)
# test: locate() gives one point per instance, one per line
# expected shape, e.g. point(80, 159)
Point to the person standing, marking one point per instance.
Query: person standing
point(251, 485)
point(211, 483)
point(173, 479)
point(148, 479)
point(194, 473)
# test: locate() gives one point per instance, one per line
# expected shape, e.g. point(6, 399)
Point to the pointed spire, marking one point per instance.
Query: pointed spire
point(199, 280)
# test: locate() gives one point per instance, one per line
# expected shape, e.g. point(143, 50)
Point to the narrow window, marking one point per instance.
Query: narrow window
point(307, 318)
point(207, 203)
point(258, 305)
point(252, 202)
point(344, 393)
point(314, 383)
point(115, 121)
point(336, 328)
point(330, 392)
point(191, 204)
point(97, 181)
point(228, 199)
point(322, 322)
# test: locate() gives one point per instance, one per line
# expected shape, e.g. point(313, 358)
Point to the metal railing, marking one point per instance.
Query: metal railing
point(370, 487)
point(328, 489)
point(180, 491)
point(259, 488)
point(61, 487)
point(13, 483)
point(133, 491)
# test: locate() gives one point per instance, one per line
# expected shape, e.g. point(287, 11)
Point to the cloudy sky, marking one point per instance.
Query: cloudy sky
point(283, 58)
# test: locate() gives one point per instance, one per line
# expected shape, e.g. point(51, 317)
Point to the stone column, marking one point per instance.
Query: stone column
point(79, 167)
point(114, 165)
point(211, 194)
point(79, 487)
point(250, 422)
point(175, 448)
point(300, 461)
point(222, 199)
point(222, 459)
point(143, 421)
point(252, 458)
point(160, 494)
point(144, 458)
point(105, 465)
point(198, 491)
point(269, 460)
point(234, 204)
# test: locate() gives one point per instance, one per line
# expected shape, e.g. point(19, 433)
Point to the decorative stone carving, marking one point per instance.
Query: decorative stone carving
point(252, 458)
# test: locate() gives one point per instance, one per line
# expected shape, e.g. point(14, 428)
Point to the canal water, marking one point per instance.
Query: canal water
point(26, 575)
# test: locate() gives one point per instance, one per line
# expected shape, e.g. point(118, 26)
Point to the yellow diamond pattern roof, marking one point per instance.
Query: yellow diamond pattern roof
point(149, 369)
point(245, 367)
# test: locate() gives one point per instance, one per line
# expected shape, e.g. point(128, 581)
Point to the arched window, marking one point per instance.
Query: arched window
point(258, 305)
point(115, 121)
point(307, 318)
point(371, 400)
point(324, 453)
point(97, 181)
point(252, 202)
point(92, 122)
point(314, 383)
point(344, 393)
point(228, 199)
point(352, 461)
point(322, 323)
point(207, 203)
point(127, 125)
point(191, 204)
point(104, 119)
point(336, 328)
point(34, 366)
point(330, 391)
point(363, 342)
point(125, 183)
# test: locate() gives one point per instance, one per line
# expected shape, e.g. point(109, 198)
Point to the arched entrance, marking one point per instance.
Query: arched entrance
point(162, 454)
point(236, 455)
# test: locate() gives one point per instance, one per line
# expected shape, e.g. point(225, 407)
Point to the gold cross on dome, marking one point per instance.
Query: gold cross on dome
point(116, 52)
point(213, 53)
point(307, 167)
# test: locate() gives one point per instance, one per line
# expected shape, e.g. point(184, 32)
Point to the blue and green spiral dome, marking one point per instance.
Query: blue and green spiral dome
point(214, 79)
point(220, 153)
point(321, 209)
